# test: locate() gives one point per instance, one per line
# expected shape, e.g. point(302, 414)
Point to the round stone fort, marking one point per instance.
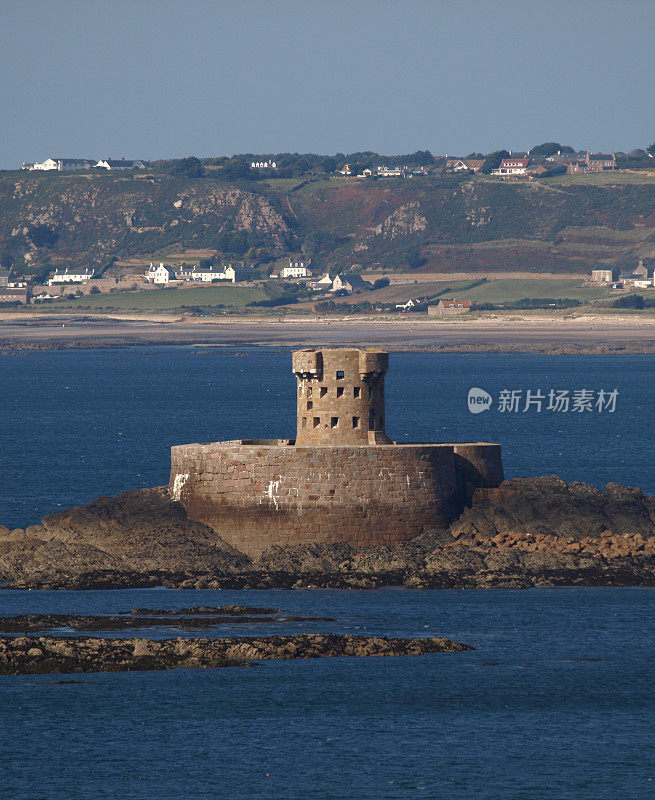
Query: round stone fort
point(341, 479)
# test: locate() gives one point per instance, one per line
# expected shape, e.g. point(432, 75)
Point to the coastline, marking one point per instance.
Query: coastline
point(589, 334)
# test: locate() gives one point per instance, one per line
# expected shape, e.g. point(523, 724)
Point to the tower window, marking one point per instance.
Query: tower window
point(309, 391)
point(339, 374)
point(304, 422)
point(334, 422)
point(317, 421)
point(357, 391)
point(339, 391)
point(310, 405)
point(323, 391)
point(355, 422)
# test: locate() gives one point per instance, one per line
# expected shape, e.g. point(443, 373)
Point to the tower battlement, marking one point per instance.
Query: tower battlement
point(340, 396)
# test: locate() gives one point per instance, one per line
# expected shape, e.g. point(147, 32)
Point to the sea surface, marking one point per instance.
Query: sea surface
point(78, 424)
point(556, 701)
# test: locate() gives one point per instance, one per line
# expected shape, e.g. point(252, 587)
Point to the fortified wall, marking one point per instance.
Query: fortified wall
point(341, 479)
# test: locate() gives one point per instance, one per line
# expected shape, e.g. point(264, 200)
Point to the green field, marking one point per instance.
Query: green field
point(603, 179)
point(512, 289)
point(163, 299)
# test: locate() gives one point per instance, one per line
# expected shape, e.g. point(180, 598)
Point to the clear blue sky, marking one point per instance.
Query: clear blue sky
point(168, 78)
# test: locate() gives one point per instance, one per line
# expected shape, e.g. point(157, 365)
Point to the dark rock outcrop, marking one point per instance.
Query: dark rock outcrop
point(528, 531)
point(142, 532)
point(33, 656)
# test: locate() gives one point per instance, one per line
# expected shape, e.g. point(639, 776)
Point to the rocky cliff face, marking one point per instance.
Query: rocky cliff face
point(91, 220)
point(444, 222)
point(526, 532)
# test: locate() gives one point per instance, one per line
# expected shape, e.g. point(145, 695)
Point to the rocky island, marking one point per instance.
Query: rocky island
point(526, 532)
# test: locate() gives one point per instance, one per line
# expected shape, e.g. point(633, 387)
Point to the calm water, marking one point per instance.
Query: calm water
point(555, 702)
point(83, 423)
point(524, 716)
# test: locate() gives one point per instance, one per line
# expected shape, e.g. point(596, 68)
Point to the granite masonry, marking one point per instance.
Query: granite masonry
point(341, 479)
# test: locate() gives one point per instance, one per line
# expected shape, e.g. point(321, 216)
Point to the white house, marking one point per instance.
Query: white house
point(512, 167)
point(209, 274)
point(322, 284)
point(62, 164)
point(185, 273)
point(113, 164)
point(73, 275)
point(390, 172)
point(296, 269)
point(406, 306)
point(160, 274)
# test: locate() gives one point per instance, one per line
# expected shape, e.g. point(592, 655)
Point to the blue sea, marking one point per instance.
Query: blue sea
point(556, 701)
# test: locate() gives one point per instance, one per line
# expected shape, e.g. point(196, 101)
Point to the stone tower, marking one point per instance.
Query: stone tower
point(341, 479)
point(340, 396)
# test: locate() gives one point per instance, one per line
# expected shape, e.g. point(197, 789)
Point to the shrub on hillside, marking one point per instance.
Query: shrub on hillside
point(629, 301)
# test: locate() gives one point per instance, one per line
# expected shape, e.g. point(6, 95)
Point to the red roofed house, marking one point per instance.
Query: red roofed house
point(512, 167)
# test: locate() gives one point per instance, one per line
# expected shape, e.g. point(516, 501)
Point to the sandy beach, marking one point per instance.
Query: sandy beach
point(538, 333)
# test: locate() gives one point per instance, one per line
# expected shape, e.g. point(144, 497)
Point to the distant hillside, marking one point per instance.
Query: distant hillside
point(436, 223)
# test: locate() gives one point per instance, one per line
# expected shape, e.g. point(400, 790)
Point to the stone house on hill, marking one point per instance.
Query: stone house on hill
point(605, 274)
point(12, 295)
point(600, 162)
point(449, 308)
point(349, 283)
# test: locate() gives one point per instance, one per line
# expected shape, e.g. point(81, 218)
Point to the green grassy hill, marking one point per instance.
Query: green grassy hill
point(167, 299)
point(509, 290)
point(438, 223)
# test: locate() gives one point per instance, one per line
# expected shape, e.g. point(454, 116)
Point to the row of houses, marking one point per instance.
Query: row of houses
point(268, 164)
point(643, 277)
point(72, 164)
point(519, 165)
point(382, 171)
point(525, 166)
point(339, 282)
point(72, 275)
point(163, 274)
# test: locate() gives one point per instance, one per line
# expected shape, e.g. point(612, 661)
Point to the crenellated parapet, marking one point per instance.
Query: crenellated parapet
point(340, 396)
